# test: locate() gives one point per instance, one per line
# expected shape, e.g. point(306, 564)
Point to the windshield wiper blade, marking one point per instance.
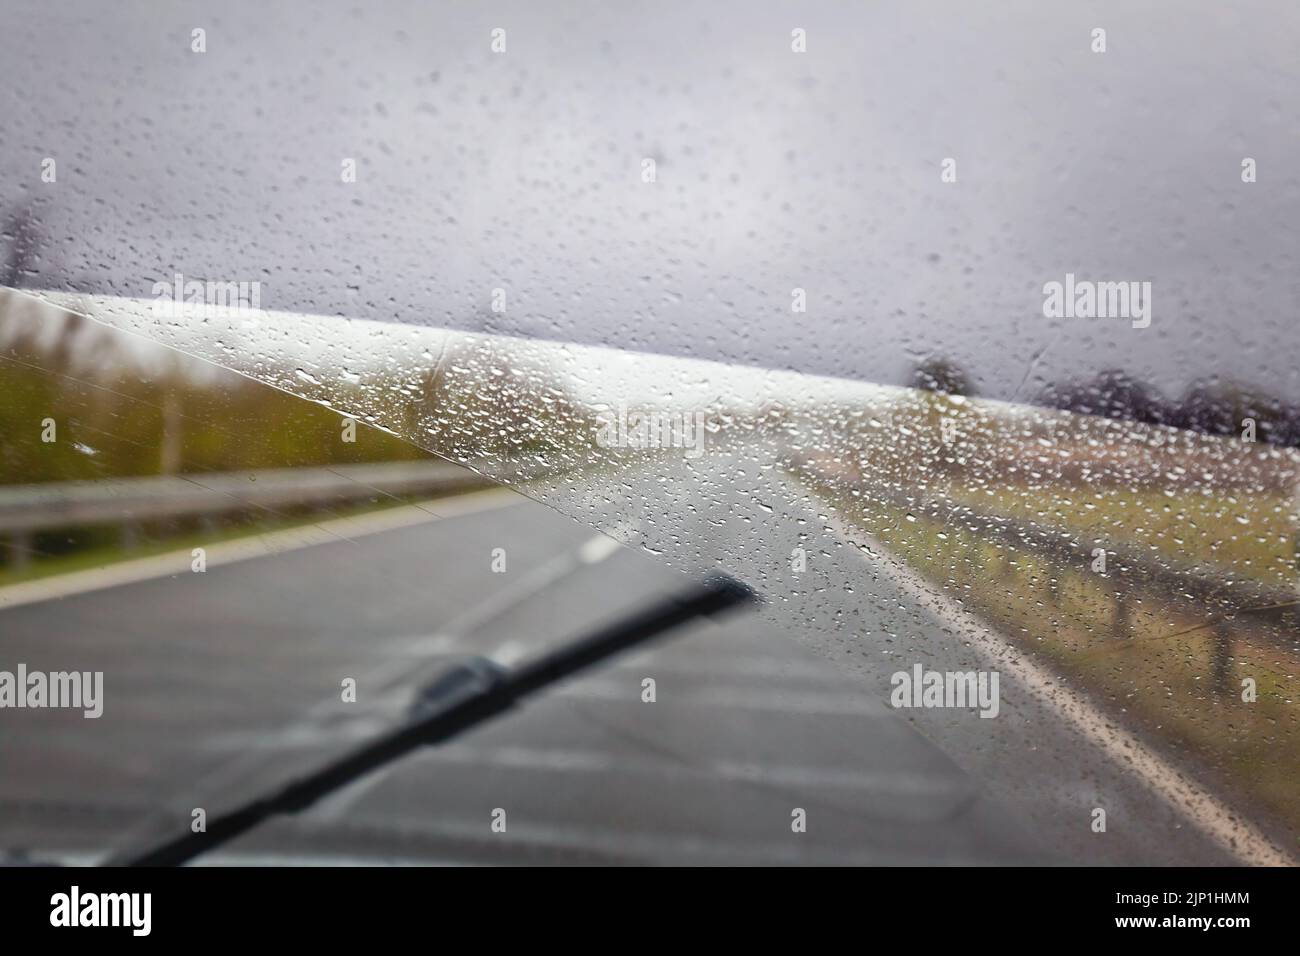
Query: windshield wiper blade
point(463, 697)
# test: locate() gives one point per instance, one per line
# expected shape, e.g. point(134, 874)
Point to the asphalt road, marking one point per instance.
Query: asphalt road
point(219, 684)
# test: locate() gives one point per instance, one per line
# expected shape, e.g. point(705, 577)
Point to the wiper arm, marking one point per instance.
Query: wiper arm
point(461, 698)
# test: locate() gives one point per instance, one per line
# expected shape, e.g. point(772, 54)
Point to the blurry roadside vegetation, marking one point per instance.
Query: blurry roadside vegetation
point(1184, 500)
point(124, 406)
point(131, 409)
point(1189, 497)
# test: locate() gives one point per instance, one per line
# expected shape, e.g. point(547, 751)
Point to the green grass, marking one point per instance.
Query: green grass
point(1250, 534)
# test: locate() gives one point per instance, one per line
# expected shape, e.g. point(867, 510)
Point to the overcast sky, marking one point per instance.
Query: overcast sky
point(820, 170)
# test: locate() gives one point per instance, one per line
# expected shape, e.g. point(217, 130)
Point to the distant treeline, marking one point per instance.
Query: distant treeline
point(1211, 407)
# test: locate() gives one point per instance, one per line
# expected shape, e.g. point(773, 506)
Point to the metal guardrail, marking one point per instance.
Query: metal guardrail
point(28, 508)
point(1207, 583)
point(1203, 582)
point(1223, 596)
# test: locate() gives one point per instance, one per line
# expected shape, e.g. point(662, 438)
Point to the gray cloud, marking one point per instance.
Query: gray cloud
point(775, 170)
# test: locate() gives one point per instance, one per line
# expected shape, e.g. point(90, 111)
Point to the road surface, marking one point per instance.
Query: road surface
point(220, 683)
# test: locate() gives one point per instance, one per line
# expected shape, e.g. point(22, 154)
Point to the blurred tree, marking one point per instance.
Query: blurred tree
point(1111, 394)
point(487, 399)
point(943, 376)
point(22, 238)
point(1209, 406)
point(1217, 407)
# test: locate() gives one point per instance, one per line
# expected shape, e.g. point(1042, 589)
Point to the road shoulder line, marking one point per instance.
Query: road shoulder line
point(134, 570)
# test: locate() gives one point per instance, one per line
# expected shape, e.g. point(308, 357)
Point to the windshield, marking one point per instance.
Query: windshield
point(340, 350)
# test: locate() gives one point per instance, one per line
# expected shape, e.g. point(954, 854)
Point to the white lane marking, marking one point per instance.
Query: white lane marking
point(423, 646)
point(616, 844)
point(592, 551)
point(1195, 804)
point(551, 760)
point(631, 844)
point(509, 653)
point(760, 699)
point(609, 541)
point(331, 531)
point(317, 730)
point(710, 664)
point(589, 761)
point(340, 803)
point(598, 549)
point(513, 594)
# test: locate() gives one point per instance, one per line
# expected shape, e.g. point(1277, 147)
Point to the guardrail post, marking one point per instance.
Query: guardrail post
point(1222, 658)
point(1119, 624)
point(20, 550)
